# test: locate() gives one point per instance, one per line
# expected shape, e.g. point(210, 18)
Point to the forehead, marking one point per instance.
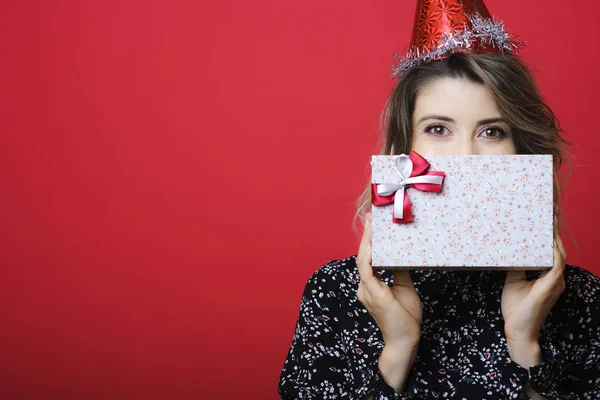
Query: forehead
point(459, 99)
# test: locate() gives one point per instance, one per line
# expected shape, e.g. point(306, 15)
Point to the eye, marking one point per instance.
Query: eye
point(436, 130)
point(493, 132)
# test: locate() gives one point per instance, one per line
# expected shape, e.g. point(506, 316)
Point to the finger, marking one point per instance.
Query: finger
point(558, 243)
point(551, 282)
point(514, 276)
point(558, 269)
point(364, 257)
point(561, 246)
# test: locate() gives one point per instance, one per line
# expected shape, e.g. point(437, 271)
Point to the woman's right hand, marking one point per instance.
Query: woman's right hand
point(397, 311)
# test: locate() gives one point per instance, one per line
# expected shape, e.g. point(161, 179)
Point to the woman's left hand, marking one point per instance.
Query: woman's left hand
point(526, 304)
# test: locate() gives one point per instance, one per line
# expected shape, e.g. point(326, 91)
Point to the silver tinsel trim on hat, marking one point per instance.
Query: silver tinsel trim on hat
point(484, 31)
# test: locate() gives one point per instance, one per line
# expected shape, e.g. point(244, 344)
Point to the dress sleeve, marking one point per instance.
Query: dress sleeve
point(570, 367)
point(318, 364)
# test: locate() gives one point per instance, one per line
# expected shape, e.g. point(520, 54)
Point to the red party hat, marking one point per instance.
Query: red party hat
point(443, 27)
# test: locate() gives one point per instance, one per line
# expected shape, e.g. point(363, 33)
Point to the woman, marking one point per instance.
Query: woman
point(452, 334)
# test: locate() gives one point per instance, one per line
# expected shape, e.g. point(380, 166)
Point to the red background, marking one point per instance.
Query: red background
point(172, 172)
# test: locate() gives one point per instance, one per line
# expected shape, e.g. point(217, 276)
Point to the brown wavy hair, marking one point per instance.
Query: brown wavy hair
point(536, 130)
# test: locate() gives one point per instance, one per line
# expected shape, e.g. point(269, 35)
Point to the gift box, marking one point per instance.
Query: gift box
point(473, 211)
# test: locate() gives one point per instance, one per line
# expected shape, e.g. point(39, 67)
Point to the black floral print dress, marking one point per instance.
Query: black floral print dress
point(462, 353)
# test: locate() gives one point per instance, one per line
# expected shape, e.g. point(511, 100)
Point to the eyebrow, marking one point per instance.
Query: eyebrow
point(448, 119)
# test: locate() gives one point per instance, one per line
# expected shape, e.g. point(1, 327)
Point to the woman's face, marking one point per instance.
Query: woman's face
point(457, 116)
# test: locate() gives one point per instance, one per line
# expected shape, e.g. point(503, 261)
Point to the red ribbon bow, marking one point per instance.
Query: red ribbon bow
point(415, 166)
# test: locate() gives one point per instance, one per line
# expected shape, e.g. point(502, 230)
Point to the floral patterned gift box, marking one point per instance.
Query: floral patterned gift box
point(474, 211)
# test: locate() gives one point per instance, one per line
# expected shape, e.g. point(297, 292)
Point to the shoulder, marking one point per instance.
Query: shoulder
point(575, 327)
point(579, 273)
point(336, 271)
point(583, 286)
point(335, 279)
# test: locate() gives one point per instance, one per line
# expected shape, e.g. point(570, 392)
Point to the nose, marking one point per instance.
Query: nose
point(465, 146)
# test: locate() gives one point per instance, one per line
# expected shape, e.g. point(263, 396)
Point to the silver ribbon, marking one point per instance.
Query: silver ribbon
point(404, 165)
